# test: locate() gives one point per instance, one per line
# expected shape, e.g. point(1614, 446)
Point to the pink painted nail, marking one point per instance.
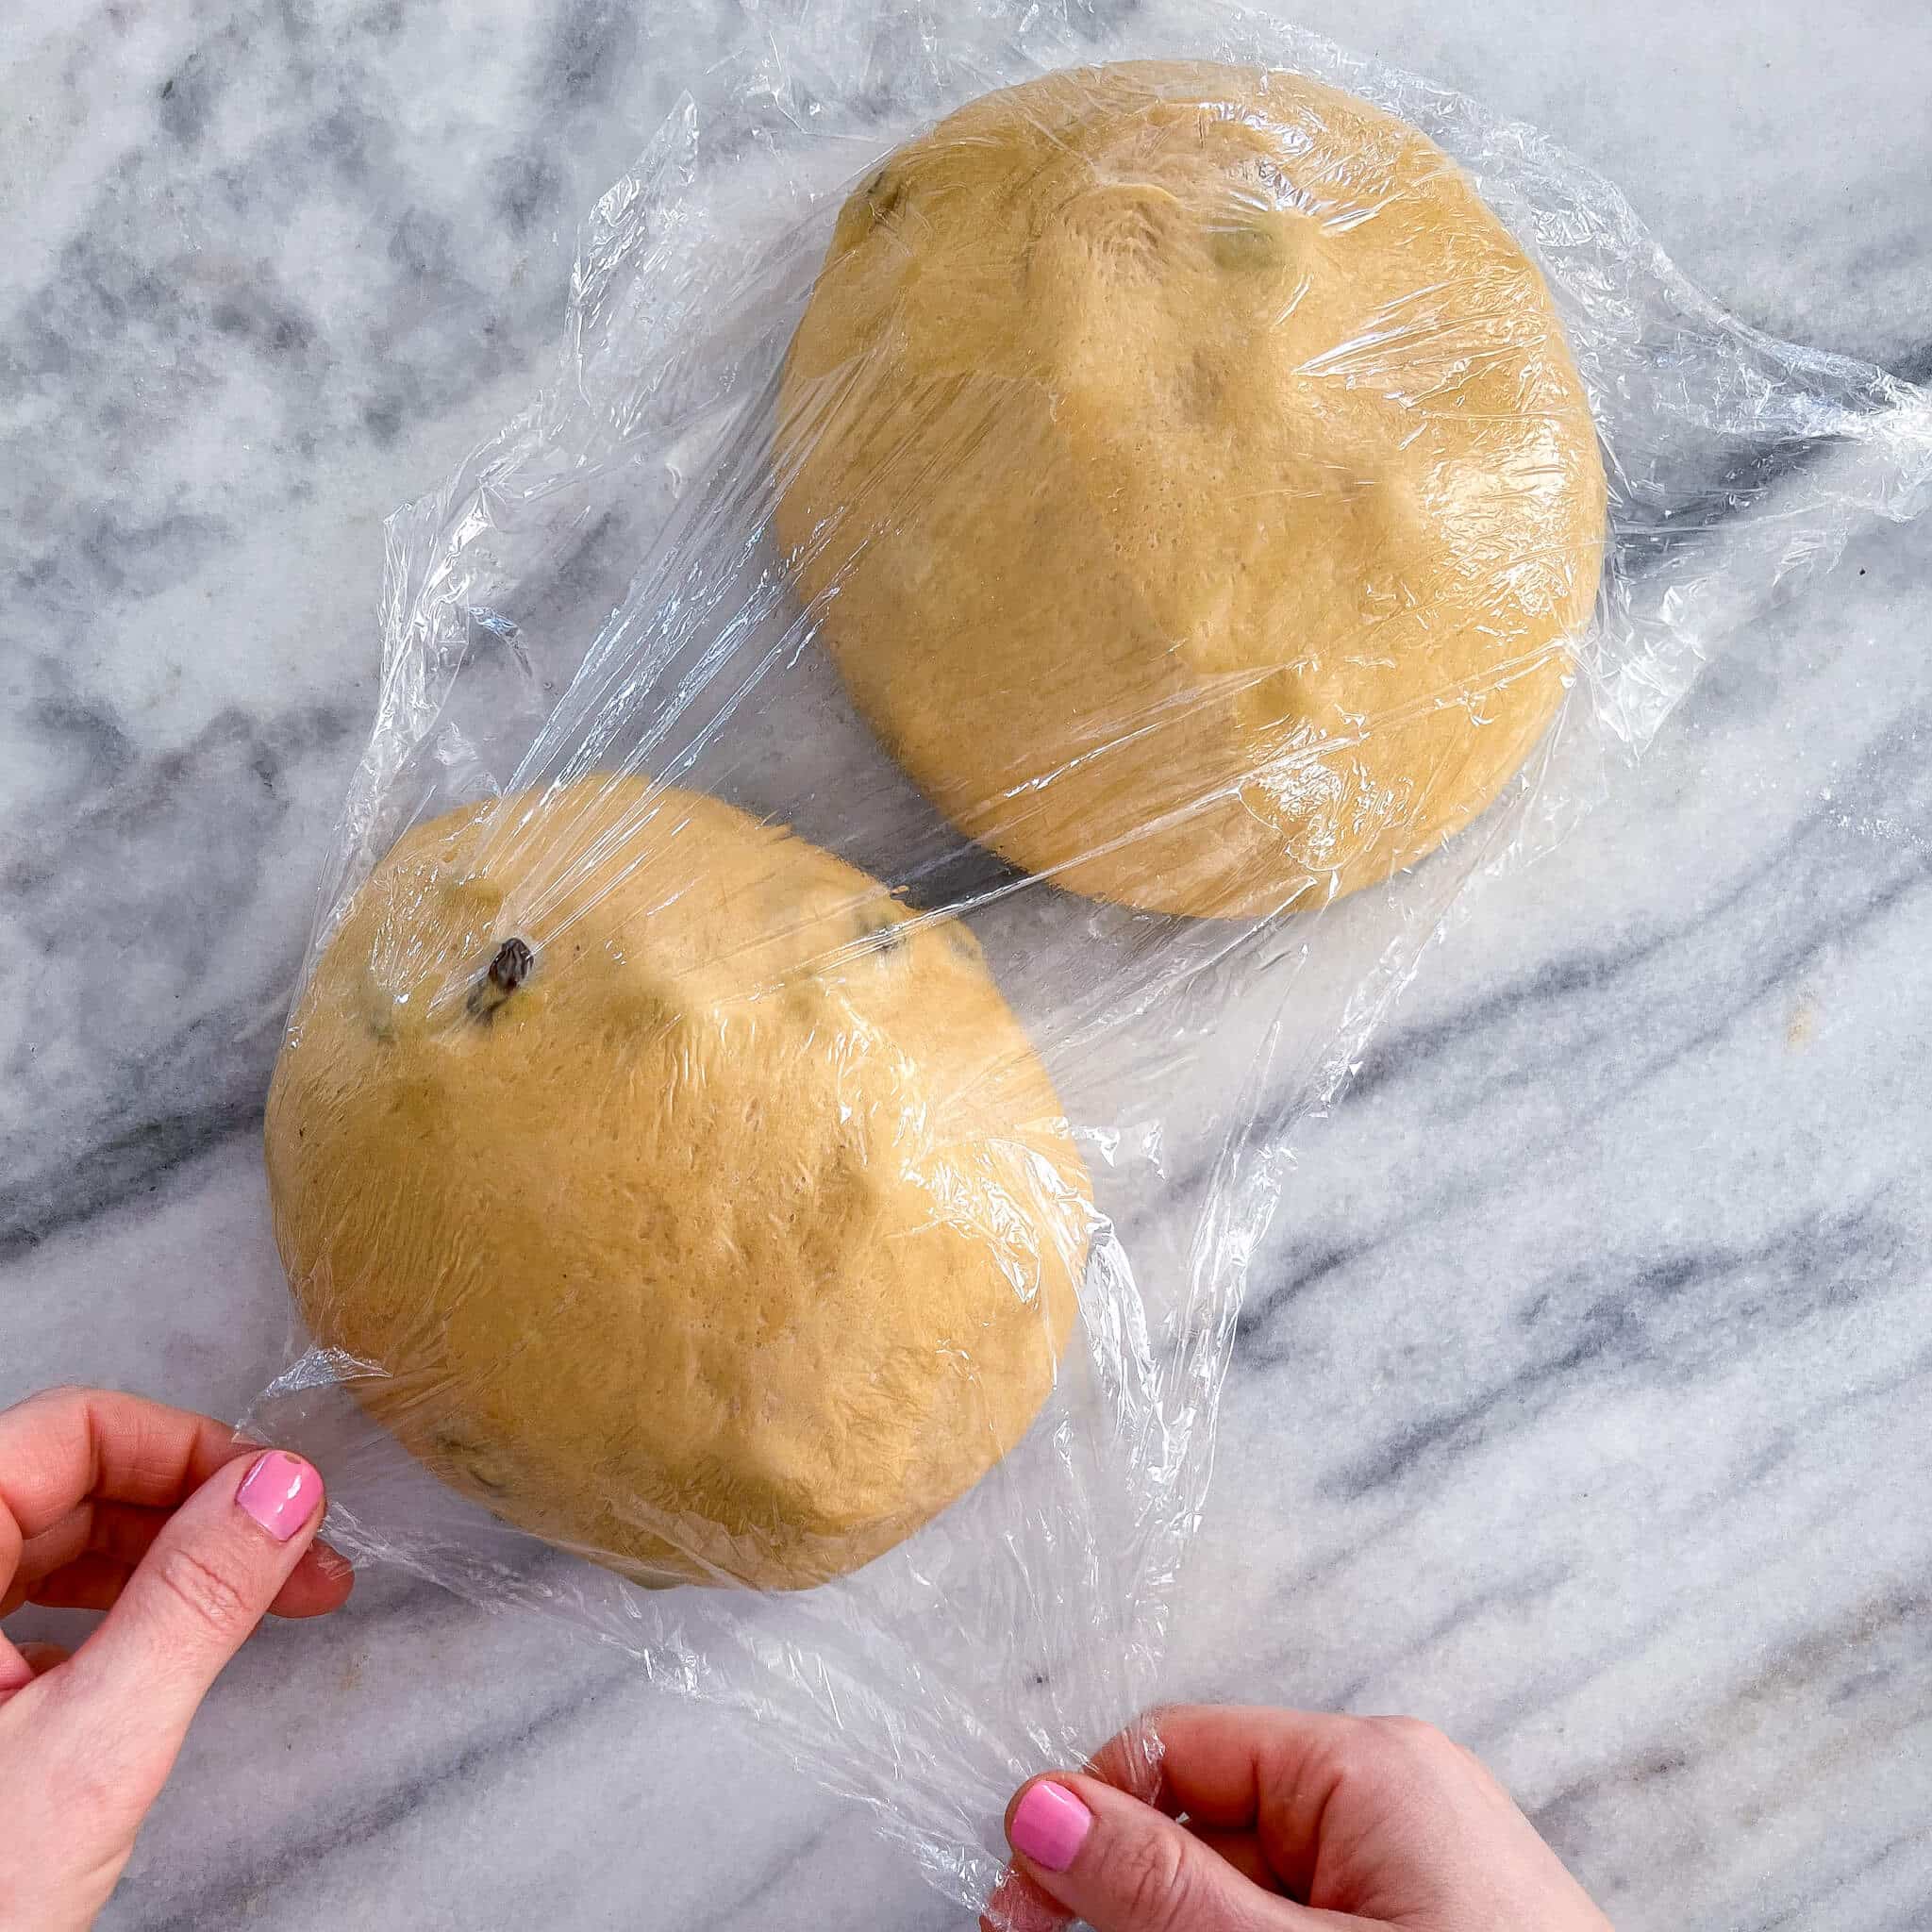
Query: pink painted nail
point(280, 1493)
point(1049, 1825)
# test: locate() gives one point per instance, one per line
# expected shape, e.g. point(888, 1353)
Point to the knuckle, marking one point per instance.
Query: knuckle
point(1382, 1757)
point(43, 1406)
point(1410, 1750)
point(1414, 1739)
point(1365, 1765)
point(1149, 1875)
point(215, 1601)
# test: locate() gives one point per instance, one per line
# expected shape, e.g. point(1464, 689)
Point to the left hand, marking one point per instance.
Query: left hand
point(185, 1539)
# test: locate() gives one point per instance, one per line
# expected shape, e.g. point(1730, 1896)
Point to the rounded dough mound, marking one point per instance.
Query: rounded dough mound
point(732, 1243)
point(1193, 484)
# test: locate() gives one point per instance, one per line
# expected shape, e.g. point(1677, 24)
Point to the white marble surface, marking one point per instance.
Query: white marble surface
point(1581, 1402)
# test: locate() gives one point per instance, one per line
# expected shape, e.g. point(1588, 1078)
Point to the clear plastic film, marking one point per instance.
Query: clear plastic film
point(905, 775)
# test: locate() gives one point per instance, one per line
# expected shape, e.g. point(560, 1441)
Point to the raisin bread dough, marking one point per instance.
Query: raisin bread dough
point(703, 1212)
point(1193, 484)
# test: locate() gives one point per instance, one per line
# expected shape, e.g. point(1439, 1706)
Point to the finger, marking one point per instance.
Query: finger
point(16, 1673)
point(1018, 1904)
point(1130, 1761)
point(1254, 1772)
point(122, 1531)
point(82, 1562)
point(1219, 1763)
point(91, 1582)
point(320, 1582)
point(204, 1585)
point(1133, 1760)
point(1125, 1867)
point(1241, 1849)
point(65, 1445)
point(21, 1665)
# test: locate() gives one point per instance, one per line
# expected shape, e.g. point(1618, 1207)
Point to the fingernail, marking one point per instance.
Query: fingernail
point(1049, 1825)
point(280, 1493)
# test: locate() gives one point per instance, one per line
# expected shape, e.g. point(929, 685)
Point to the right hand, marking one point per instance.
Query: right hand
point(1281, 1820)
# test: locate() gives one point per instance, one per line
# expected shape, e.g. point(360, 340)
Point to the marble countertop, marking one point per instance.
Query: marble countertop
point(1580, 1405)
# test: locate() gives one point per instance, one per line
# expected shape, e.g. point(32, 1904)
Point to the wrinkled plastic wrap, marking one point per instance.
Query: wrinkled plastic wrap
point(803, 1058)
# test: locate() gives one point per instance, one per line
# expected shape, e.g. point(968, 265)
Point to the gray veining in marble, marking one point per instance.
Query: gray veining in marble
point(1580, 1402)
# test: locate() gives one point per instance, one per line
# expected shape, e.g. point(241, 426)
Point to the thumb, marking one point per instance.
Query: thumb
point(207, 1581)
point(1125, 1867)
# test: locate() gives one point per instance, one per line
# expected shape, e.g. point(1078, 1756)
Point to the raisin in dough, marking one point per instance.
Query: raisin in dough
point(704, 1213)
point(1193, 484)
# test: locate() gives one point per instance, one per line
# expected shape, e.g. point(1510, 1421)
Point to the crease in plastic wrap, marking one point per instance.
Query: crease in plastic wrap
point(905, 775)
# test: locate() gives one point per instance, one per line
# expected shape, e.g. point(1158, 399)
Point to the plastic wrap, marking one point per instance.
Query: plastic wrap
point(816, 1205)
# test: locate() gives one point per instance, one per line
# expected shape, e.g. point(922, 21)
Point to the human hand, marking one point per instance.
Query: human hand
point(109, 1502)
point(1279, 1821)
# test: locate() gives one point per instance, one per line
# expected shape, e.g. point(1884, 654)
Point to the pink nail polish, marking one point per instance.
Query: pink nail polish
point(1049, 1825)
point(280, 1493)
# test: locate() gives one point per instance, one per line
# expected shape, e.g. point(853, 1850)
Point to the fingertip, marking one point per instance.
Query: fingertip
point(1130, 1761)
point(1018, 1904)
point(321, 1582)
point(335, 1567)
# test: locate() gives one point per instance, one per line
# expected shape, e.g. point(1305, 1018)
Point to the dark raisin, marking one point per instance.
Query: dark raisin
point(511, 966)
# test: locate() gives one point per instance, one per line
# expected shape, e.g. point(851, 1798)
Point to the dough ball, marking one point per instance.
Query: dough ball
point(703, 1212)
point(1193, 482)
